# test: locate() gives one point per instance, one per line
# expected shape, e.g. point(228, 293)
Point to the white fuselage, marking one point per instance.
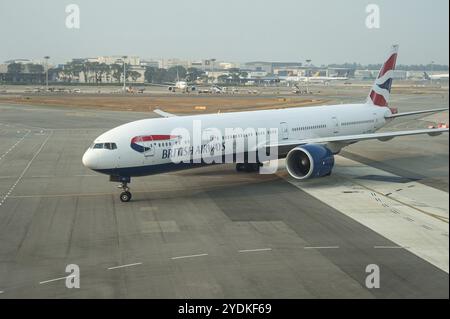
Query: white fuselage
point(292, 124)
point(319, 79)
point(182, 85)
point(439, 76)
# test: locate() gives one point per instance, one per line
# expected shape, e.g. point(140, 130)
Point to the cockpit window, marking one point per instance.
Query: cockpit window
point(110, 146)
point(107, 146)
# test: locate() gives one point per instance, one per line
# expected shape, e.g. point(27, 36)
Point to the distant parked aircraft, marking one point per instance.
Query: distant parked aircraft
point(443, 76)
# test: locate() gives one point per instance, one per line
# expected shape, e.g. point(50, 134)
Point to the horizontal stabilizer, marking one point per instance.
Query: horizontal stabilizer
point(417, 112)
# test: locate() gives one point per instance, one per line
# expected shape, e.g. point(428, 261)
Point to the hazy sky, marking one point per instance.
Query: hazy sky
point(326, 31)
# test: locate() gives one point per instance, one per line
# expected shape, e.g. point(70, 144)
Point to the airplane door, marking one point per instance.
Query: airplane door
point(149, 149)
point(284, 130)
point(375, 122)
point(335, 124)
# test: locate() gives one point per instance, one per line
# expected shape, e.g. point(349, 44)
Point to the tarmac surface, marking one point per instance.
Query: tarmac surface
point(208, 232)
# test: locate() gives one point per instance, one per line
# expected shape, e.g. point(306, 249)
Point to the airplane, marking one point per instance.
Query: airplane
point(182, 86)
point(316, 79)
point(435, 76)
point(322, 79)
point(178, 85)
point(308, 140)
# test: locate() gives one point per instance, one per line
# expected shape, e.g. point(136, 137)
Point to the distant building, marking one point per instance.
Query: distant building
point(228, 65)
point(270, 67)
point(372, 74)
point(150, 63)
point(3, 68)
point(115, 59)
point(169, 63)
point(257, 74)
point(198, 65)
point(18, 61)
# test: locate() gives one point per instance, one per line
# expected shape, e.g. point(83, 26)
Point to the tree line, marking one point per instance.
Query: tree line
point(172, 74)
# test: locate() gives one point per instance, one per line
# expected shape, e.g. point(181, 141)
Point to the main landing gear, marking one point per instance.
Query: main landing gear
point(125, 196)
point(248, 167)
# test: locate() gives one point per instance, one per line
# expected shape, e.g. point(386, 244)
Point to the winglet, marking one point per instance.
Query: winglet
point(163, 114)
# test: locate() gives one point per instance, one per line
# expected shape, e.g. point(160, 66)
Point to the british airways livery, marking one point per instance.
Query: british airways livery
point(308, 137)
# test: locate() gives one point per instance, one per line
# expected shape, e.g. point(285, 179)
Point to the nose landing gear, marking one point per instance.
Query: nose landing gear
point(125, 196)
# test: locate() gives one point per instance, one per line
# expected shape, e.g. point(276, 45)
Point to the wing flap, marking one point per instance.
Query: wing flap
point(163, 114)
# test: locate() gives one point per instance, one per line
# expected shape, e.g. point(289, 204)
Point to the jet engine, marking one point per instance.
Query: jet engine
point(309, 161)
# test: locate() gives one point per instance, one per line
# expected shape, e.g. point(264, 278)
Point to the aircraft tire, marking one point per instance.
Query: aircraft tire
point(125, 197)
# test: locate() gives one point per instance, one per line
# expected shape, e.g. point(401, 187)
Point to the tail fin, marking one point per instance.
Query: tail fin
point(381, 89)
point(426, 76)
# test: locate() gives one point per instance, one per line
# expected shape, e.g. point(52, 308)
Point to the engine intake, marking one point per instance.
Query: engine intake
point(309, 161)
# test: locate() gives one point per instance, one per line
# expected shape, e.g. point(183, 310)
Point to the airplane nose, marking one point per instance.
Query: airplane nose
point(88, 159)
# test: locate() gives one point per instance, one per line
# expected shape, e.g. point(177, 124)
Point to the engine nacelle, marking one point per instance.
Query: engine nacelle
point(309, 161)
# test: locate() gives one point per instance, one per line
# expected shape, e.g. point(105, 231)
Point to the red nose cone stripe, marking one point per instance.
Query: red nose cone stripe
point(152, 138)
point(388, 65)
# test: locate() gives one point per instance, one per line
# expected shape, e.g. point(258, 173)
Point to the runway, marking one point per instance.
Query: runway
point(210, 232)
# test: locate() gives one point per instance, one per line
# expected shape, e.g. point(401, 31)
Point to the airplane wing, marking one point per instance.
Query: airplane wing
point(164, 114)
point(417, 112)
point(165, 84)
point(349, 139)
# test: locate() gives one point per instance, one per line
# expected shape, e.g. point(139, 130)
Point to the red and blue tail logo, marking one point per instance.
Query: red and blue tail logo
point(381, 89)
point(140, 143)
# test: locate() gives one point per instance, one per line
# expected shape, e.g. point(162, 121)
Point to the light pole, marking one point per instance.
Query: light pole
point(46, 71)
point(431, 72)
point(308, 75)
point(124, 73)
point(212, 66)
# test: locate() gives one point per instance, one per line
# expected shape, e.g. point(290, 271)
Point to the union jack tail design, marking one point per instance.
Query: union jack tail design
point(381, 89)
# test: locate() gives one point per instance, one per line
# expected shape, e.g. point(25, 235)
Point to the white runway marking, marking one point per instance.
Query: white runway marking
point(123, 266)
point(2, 201)
point(87, 175)
point(56, 279)
point(401, 223)
point(254, 250)
point(390, 247)
point(189, 256)
point(321, 247)
point(12, 147)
